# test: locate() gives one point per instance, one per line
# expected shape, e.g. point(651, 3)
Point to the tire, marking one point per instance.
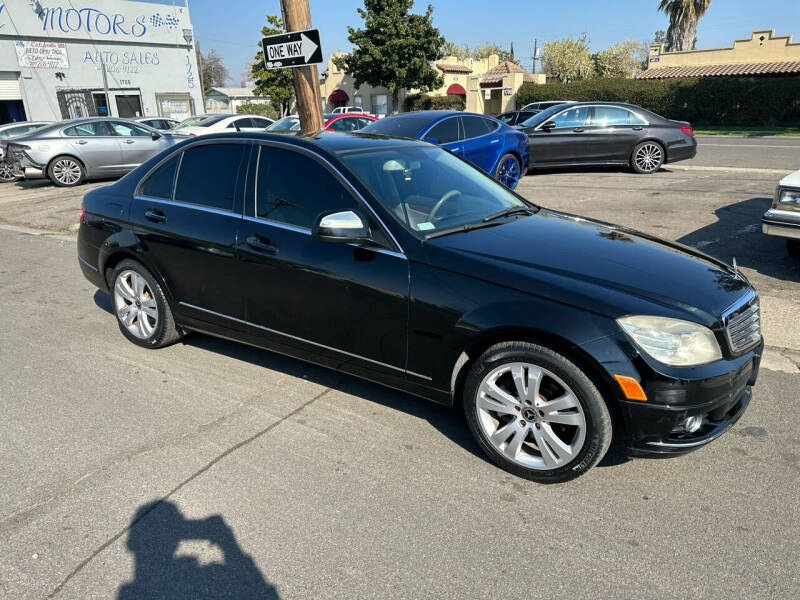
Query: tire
point(66, 171)
point(793, 247)
point(509, 426)
point(142, 311)
point(508, 171)
point(7, 174)
point(647, 157)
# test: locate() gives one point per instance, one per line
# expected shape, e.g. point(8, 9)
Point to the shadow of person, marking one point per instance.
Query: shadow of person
point(157, 533)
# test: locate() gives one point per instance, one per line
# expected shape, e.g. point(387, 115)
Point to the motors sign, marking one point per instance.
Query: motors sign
point(295, 49)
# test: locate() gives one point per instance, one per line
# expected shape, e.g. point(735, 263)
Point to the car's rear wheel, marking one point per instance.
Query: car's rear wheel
point(647, 157)
point(793, 246)
point(7, 173)
point(508, 171)
point(535, 413)
point(142, 310)
point(66, 171)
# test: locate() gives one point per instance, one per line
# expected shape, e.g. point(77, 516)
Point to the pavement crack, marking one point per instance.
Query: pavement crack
point(181, 485)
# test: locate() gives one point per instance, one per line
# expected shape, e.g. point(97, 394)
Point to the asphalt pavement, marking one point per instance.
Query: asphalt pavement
point(212, 469)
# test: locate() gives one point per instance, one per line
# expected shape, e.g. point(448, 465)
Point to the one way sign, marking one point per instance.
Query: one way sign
point(295, 49)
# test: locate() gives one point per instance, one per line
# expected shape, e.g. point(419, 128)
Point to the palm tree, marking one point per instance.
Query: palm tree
point(683, 18)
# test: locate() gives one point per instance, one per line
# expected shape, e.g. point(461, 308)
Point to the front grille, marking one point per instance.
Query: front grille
point(743, 323)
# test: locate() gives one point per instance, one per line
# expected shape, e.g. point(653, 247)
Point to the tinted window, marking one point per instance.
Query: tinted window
point(263, 123)
point(299, 198)
point(509, 118)
point(159, 184)
point(476, 126)
point(574, 117)
point(403, 126)
point(635, 119)
point(610, 115)
point(208, 175)
point(363, 122)
point(445, 131)
point(90, 128)
point(129, 129)
point(240, 123)
point(346, 124)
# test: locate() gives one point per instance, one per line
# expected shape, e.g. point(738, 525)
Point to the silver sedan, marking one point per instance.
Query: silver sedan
point(71, 152)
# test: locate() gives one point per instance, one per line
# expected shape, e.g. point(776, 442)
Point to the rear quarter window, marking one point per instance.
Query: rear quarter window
point(159, 183)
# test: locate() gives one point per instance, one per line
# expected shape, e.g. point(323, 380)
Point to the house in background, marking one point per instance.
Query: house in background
point(495, 91)
point(338, 89)
point(763, 54)
point(227, 100)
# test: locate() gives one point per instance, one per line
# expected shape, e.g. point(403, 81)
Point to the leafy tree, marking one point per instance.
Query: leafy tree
point(394, 49)
point(683, 18)
point(215, 74)
point(660, 37)
point(621, 60)
point(480, 51)
point(257, 108)
point(568, 59)
point(278, 84)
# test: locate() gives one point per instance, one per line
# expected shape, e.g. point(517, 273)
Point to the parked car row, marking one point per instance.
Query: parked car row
point(341, 121)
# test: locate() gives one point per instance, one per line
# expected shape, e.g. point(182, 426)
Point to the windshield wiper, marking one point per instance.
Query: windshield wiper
point(514, 210)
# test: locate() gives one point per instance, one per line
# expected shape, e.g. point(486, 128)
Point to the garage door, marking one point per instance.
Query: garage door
point(9, 86)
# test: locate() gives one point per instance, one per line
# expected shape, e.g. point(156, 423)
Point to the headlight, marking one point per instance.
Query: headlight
point(786, 199)
point(672, 341)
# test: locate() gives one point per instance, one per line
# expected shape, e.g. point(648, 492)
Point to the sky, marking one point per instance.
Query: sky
point(233, 27)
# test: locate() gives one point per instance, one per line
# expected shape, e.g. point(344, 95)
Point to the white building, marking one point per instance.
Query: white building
point(227, 100)
point(53, 54)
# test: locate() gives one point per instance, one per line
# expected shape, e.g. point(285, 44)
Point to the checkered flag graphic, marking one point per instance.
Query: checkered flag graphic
point(156, 21)
point(171, 21)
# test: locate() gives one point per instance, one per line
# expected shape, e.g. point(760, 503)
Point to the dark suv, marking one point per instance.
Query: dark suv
point(398, 262)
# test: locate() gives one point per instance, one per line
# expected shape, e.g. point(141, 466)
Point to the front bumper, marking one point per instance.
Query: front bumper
point(781, 223)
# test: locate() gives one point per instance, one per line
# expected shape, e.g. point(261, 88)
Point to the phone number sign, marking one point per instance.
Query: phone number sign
point(42, 55)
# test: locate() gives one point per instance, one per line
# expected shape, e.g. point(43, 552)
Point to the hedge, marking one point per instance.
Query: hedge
point(701, 100)
point(426, 102)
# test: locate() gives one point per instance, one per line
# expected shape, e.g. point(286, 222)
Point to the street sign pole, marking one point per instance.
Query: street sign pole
point(297, 17)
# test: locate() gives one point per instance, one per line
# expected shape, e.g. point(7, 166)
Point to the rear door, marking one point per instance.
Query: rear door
point(614, 131)
point(566, 143)
point(97, 146)
point(447, 133)
point(482, 141)
point(187, 214)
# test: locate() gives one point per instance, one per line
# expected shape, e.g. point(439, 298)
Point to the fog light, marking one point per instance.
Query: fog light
point(693, 424)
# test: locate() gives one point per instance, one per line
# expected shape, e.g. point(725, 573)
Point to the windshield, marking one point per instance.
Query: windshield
point(541, 117)
point(400, 126)
point(428, 189)
point(285, 124)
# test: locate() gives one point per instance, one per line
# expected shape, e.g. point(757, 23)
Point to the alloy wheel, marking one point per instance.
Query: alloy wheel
point(67, 171)
point(135, 304)
point(508, 173)
point(531, 416)
point(7, 171)
point(649, 157)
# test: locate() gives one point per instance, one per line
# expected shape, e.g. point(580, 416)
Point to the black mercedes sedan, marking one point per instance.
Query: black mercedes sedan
point(604, 133)
point(396, 261)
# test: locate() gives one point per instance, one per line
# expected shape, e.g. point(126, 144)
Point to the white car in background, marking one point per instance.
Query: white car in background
point(783, 218)
point(202, 124)
point(9, 131)
point(160, 123)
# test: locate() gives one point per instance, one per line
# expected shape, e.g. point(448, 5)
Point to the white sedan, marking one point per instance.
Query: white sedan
point(783, 218)
point(203, 124)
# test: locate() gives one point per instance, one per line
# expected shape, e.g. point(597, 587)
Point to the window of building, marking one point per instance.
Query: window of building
point(299, 199)
point(380, 104)
point(445, 131)
point(358, 101)
point(197, 185)
point(159, 184)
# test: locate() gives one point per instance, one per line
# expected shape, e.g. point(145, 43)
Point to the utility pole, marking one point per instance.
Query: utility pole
point(297, 17)
point(535, 54)
point(199, 55)
point(105, 88)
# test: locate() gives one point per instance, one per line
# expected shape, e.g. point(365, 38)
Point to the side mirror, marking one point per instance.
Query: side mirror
point(340, 226)
point(548, 125)
point(155, 135)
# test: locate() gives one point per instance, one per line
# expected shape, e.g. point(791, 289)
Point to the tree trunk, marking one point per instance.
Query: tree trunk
point(395, 100)
point(680, 36)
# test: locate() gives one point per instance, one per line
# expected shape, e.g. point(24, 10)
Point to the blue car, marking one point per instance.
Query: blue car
point(487, 143)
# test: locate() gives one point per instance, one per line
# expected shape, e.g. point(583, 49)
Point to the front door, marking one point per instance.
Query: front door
point(481, 141)
point(345, 302)
point(188, 226)
point(565, 143)
point(137, 143)
point(447, 133)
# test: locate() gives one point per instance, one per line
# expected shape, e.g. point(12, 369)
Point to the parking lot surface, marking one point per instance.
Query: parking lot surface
point(214, 468)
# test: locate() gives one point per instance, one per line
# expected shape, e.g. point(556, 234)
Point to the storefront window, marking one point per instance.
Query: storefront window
point(380, 105)
point(358, 101)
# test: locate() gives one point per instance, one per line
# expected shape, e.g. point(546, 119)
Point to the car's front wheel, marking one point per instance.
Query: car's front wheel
point(508, 171)
point(535, 413)
point(647, 157)
point(7, 173)
point(66, 171)
point(142, 310)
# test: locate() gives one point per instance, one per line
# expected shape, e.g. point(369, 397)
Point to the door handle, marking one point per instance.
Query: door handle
point(155, 215)
point(127, 141)
point(638, 128)
point(81, 142)
point(259, 244)
point(495, 141)
point(578, 130)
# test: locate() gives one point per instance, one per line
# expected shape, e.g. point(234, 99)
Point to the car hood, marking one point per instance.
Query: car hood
point(791, 180)
point(609, 269)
